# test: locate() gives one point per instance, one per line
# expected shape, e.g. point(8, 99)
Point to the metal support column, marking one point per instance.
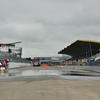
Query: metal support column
point(90, 49)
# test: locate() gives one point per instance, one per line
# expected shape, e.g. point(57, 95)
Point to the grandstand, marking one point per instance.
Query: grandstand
point(11, 48)
point(82, 51)
point(11, 52)
point(4, 55)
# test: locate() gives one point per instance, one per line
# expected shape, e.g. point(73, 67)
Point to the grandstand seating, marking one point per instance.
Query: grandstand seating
point(11, 57)
point(95, 57)
point(4, 55)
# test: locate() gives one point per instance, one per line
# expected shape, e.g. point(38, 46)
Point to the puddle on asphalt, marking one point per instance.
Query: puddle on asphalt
point(18, 73)
point(77, 73)
point(11, 73)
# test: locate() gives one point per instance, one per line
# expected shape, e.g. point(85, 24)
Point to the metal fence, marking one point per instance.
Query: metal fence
point(91, 63)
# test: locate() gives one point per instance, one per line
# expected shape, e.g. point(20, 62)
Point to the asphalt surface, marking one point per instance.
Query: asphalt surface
point(53, 83)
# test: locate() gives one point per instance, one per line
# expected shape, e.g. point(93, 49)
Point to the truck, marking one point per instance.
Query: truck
point(36, 61)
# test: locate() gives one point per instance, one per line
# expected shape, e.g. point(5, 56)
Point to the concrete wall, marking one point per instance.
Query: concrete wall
point(16, 64)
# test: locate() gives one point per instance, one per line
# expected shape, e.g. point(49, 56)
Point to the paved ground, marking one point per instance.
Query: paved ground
point(87, 68)
point(38, 68)
point(50, 90)
point(48, 87)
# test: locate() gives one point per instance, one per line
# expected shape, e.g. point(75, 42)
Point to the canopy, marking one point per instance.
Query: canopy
point(9, 43)
point(81, 48)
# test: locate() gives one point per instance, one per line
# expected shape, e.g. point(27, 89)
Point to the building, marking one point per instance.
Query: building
point(11, 48)
point(83, 51)
point(54, 60)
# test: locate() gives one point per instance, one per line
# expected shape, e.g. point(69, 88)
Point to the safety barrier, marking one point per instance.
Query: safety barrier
point(92, 63)
point(16, 64)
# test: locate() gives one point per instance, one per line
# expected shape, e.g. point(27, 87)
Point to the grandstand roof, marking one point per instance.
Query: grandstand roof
point(81, 47)
point(10, 43)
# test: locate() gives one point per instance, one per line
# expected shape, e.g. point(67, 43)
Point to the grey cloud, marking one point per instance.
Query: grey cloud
point(46, 27)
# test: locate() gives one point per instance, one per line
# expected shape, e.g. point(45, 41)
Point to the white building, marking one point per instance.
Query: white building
point(11, 48)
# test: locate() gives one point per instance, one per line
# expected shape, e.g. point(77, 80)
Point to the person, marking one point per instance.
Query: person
point(7, 61)
point(3, 67)
point(0, 64)
point(4, 63)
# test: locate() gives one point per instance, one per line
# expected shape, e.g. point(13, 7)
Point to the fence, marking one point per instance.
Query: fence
point(91, 63)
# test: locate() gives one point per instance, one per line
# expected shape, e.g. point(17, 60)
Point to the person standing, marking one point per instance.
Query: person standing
point(4, 63)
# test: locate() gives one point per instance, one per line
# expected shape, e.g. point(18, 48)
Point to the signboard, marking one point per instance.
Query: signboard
point(45, 58)
point(54, 58)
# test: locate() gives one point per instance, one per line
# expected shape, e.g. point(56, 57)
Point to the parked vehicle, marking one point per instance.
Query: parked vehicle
point(36, 61)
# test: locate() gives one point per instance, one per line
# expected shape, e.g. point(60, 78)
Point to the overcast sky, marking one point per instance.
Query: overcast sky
point(47, 26)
